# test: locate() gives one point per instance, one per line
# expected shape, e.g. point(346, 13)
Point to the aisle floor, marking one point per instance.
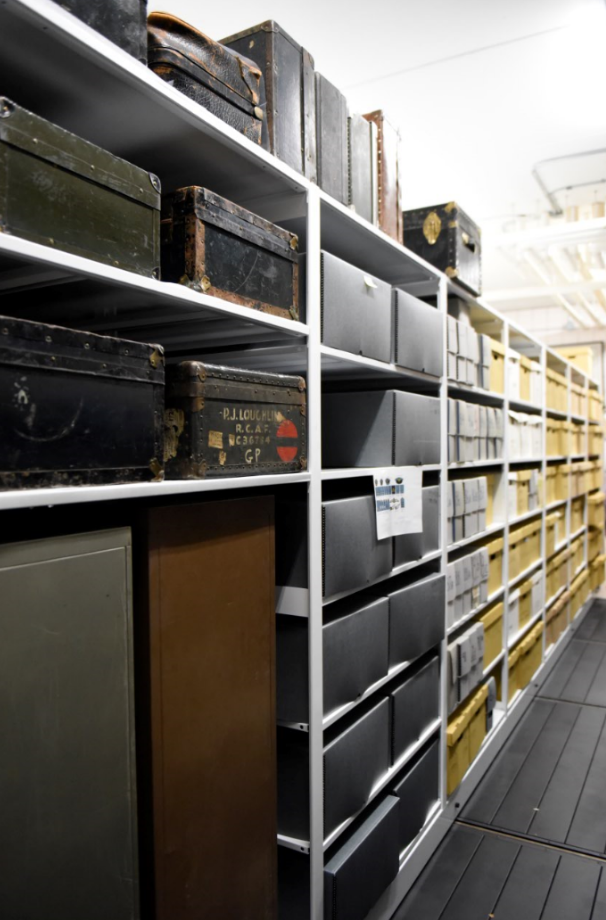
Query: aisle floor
point(531, 842)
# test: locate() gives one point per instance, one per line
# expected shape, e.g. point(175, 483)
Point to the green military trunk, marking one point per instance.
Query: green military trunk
point(62, 191)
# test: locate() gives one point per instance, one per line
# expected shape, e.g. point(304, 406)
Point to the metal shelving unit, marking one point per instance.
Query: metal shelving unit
point(98, 91)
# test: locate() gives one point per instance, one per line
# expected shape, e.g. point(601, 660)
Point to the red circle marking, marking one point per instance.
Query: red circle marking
point(287, 429)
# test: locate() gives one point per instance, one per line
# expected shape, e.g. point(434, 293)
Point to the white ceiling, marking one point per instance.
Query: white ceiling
point(480, 89)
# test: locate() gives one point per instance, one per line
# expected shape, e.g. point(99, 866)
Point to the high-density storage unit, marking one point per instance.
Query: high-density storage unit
point(402, 664)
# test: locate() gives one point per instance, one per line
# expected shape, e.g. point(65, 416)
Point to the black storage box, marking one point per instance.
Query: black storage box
point(224, 421)
point(215, 77)
point(415, 705)
point(352, 555)
point(62, 191)
point(331, 121)
point(416, 618)
point(380, 428)
point(213, 245)
point(363, 867)
point(288, 95)
point(418, 791)
point(355, 656)
point(353, 763)
point(78, 408)
point(122, 21)
point(446, 236)
point(363, 167)
point(356, 309)
point(412, 546)
point(418, 335)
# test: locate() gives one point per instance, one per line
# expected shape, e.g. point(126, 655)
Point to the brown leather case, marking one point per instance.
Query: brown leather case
point(389, 191)
point(209, 574)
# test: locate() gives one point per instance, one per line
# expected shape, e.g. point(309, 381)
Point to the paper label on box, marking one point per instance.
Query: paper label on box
point(398, 501)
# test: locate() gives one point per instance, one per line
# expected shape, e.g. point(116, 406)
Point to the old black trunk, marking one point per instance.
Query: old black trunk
point(215, 246)
point(77, 408)
point(224, 421)
point(122, 21)
point(447, 237)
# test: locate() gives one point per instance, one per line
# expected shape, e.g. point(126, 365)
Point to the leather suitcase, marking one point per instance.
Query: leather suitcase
point(122, 21)
point(213, 245)
point(62, 191)
point(352, 555)
point(389, 184)
point(418, 791)
point(380, 428)
point(68, 791)
point(287, 93)
point(416, 618)
point(446, 236)
point(224, 421)
point(78, 408)
point(215, 77)
point(412, 546)
point(206, 637)
point(331, 132)
point(418, 335)
point(363, 167)
point(362, 868)
point(356, 309)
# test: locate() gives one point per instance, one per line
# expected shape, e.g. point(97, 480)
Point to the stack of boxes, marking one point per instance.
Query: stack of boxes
point(596, 441)
point(556, 391)
point(596, 406)
point(468, 507)
point(530, 387)
point(595, 510)
point(596, 572)
point(556, 576)
point(524, 547)
point(556, 619)
point(466, 585)
point(577, 510)
point(525, 659)
point(465, 665)
point(577, 438)
point(474, 432)
point(555, 532)
point(525, 603)
point(525, 434)
point(579, 592)
point(558, 437)
point(557, 483)
point(466, 732)
point(578, 399)
point(525, 492)
point(577, 554)
point(469, 355)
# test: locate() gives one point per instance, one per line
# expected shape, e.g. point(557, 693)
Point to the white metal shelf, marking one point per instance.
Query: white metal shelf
point(71, 495)
point(476, 394)
point(524, 517)
point(357, 471)
point(556, 413)
point(577, 533)
point(493, 529)
point(555, 597)
point(473, 464)
point(522, 405)
point(87, 294)
point(344, 365)
point(553, 505)
point(526, 573)
point(524, 629)
point(398, 570)
point(386, 779)
point(476, 612)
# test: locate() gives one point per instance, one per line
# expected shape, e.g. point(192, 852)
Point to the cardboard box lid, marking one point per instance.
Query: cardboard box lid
point(495, 546)
point(513, 657)
point(497, 348)
point(595, 498)
point(490, 617)
point(525, 588)
point(456, 727)
point(525, 362)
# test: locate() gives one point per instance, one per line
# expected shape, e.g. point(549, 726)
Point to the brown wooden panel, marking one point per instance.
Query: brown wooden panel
point(212, 648)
